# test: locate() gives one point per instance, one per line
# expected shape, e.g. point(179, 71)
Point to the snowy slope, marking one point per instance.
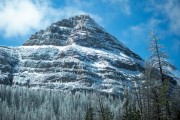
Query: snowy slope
point(74, 54)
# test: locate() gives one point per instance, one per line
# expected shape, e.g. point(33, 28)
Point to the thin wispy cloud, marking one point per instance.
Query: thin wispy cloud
point(176, 46)
point(172, 8)
point(80, 4)
point(77, 7)
point(169, 9)
point(122, 5)
point(140, 33)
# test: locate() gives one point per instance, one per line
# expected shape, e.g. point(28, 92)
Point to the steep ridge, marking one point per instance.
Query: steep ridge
point(74, 54)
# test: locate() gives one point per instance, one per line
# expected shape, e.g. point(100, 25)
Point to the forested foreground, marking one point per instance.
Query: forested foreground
point(21, 103)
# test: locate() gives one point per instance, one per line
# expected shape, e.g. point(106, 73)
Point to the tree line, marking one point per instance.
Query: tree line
point(23, 103)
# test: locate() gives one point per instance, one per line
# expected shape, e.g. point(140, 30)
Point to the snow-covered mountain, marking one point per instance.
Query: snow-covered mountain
point(73, 53)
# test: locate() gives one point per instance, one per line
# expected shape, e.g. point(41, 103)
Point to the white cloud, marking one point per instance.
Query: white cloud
point(21, 17)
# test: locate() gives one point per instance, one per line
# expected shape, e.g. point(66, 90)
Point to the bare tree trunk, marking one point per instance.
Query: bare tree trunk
point(139, 101)
point(157, 106)
point(148, 103)
point(101, 109)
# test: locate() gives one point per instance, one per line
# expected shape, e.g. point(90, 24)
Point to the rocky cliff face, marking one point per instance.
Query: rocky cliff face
point(73, 53)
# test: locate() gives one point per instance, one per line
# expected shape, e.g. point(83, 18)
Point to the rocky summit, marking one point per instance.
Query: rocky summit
point(75, 54)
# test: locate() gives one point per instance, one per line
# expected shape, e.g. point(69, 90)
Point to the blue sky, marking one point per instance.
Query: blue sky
point(130, 21)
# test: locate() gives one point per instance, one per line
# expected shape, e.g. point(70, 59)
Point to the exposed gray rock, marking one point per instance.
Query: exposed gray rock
point(81, 30)
point(8, 60)
point(73, 53)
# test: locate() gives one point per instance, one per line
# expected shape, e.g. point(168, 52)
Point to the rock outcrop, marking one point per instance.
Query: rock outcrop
point(73, 53)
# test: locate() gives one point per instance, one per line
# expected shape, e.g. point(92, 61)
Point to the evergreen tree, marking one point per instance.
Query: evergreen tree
point(104, 111)
point(108, 114)
point(89, 114)
point(131, 114)
point(131, 101)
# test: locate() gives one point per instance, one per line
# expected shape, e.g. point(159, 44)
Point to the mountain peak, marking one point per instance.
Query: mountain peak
point(72, 22)
point(75, 54)
point(82, 17)
point(58, 33)
point(80, 22)
point(81, 30)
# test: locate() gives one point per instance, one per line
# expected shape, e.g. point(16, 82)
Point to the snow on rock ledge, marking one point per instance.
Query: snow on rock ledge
point(74, 53)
